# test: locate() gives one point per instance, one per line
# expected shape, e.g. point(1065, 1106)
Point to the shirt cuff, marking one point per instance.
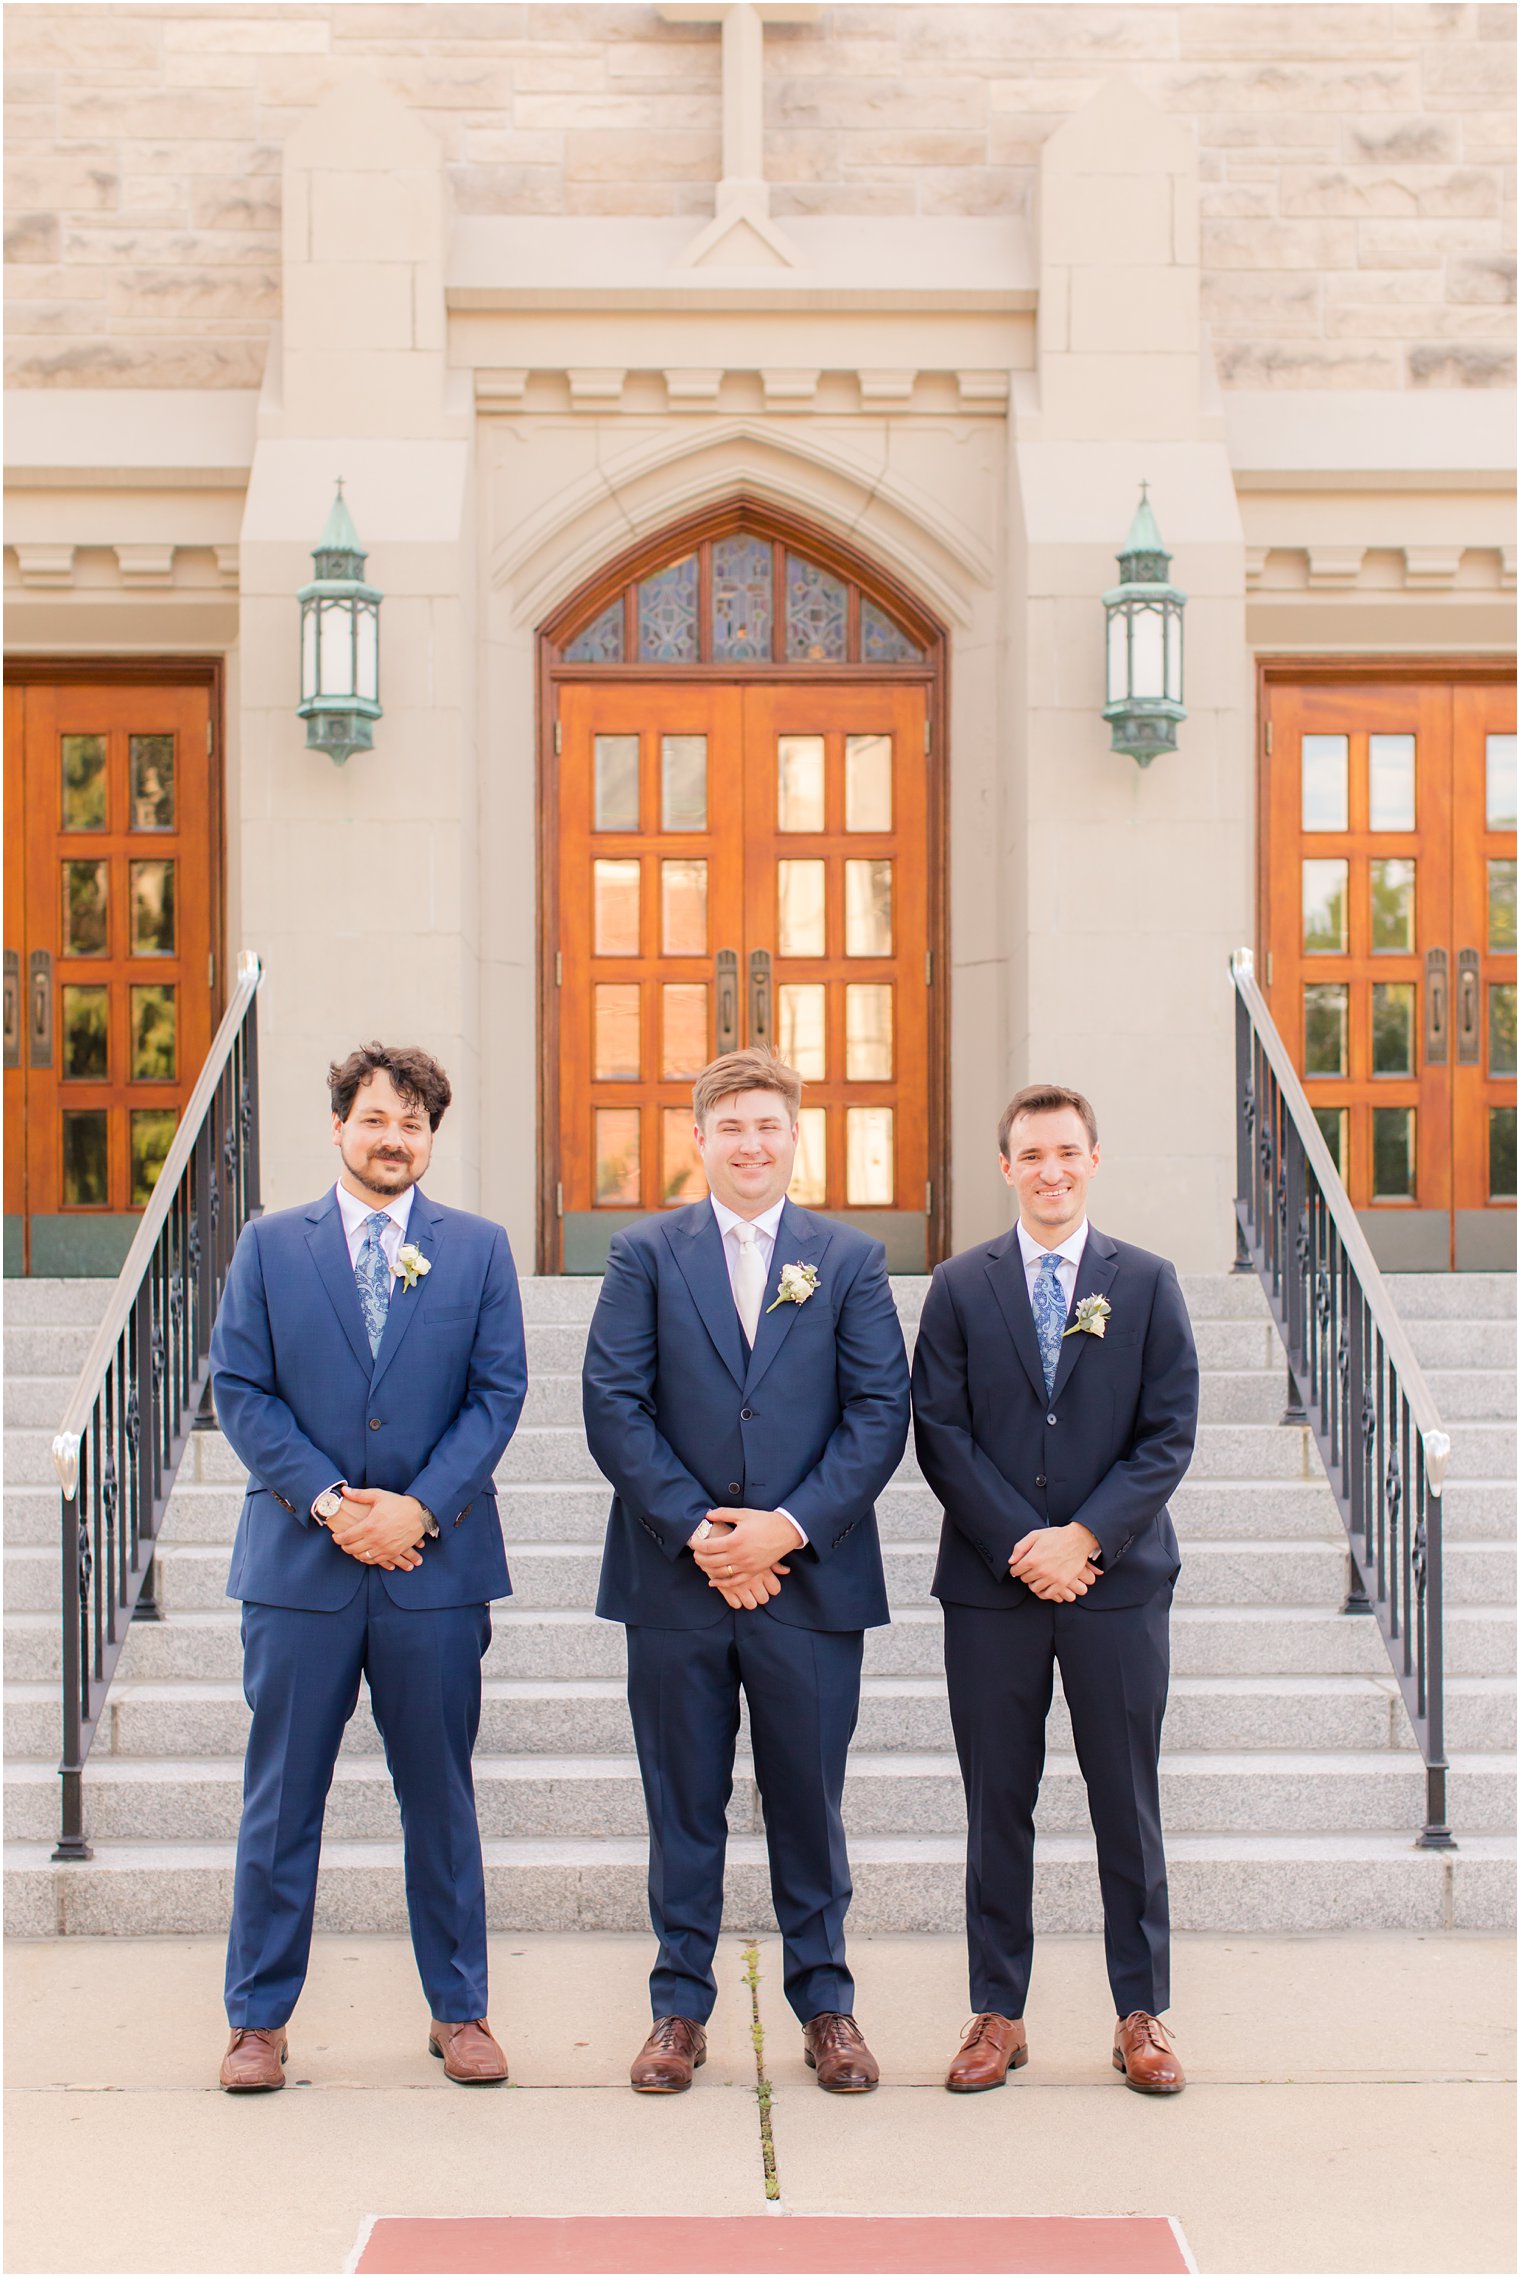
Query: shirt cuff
point(791, 1521)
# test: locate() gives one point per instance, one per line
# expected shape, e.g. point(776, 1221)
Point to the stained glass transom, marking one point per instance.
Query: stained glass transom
point(668, 614)
point(742, 604)
point(817, 613)
point(882, 641)
point(602, 640)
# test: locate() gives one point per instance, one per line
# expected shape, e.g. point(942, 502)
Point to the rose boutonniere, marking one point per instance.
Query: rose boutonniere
point(411, 1266)
point(1091, 1320)
point(797, 1284)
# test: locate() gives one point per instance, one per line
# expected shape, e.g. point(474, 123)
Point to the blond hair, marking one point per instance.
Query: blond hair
point(758, 1069)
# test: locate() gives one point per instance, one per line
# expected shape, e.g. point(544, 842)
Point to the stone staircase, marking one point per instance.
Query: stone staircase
point(1291, 1787)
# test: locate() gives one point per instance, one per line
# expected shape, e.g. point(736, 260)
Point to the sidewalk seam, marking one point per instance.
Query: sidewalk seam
point(751, 1955)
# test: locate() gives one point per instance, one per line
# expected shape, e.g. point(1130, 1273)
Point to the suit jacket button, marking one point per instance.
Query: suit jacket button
point(374, 1423)
point(734, 1486)
point(1050, 1419)
point(1040, 1481)
point(746, 1415)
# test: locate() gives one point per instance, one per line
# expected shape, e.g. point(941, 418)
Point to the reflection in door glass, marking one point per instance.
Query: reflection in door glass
point(615, 908)
point(1325, 1028)
point(1501, 1027)
point(616, 797)
point(152, 1136)
point(154, 1055)
point(1325, 776)
point(1393, 1027)
point(868, 909)
point(1501, 906)
point(1392, 929)
point(83, 764)
point(84, 908)
point(86, 1177)
point(1390, 782)
point(800, 1028)
point(615, 1033)
point(86, 1057)
point(1501, 782)
point(683, 1032)
point(1325, 907)
point(1393, 1154)
point(810, 1172)
point(152, 899)
point(681, 1174)
point(683, 782)
point(150, 761)
point(868, 1032)
point(799, 782)
point(799, 909)
point(683, 908)
point(868, 782)
point(1332, 1129)
point(1501, 1154)
point(617, 1157)
point(869, 1179)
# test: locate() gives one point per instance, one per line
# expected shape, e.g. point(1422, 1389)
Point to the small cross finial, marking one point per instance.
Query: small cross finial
point(1144, 489)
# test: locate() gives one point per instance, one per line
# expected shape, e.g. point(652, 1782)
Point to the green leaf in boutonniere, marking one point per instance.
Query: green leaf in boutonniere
point(411, 1266)
point(1091, 1320)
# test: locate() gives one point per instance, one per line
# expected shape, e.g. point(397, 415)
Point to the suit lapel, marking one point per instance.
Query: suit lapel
point(1094, 1276)
point(422, 1228)
point(1005, 1270)
point(697, 1246)
point(800, 1240)
point(329, 1253)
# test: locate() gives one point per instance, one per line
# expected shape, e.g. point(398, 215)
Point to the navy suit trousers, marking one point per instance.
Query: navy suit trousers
point(301, 1676)
point(999, 1668)
point(802, 1687)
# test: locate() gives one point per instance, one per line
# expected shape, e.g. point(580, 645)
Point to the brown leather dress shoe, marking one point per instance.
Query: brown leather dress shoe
point(835, 2049)
point(993, 2046)
point(676, 2047)
point(255, 2059)
point(1143, 2051)
point(470, 2053)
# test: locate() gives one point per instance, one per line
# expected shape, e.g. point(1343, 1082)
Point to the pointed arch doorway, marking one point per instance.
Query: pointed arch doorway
point(742, 808)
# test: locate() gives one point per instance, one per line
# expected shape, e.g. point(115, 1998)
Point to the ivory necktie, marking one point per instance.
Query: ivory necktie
point(1049, 1315)
point(749, 1281)
point(374, 1278)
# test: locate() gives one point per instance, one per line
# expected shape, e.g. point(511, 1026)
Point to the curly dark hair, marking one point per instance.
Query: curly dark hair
point(416, 1075)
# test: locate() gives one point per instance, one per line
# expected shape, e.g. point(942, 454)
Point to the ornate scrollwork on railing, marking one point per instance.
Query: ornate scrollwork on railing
point(1362, 1391)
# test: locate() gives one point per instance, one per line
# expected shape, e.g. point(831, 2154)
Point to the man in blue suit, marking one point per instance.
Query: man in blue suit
point(746, 1393)
point(369, 1368)
point(1055, 1401)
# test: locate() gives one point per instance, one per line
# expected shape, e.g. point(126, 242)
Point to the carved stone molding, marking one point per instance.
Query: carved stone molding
point(886, 390)
point(145, 564)
point(501, 391)
point(45, 565)
point(1333, 566)
point(1256, 562)
point(227, 563)
point(790, 390)
point(599, 389)
point(694, 388)
point(981, 391)
point(1429, 566)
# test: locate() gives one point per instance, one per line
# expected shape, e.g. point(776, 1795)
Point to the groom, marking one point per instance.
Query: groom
point(369, 1369)
point(1055, 1402)
point(746, 1393)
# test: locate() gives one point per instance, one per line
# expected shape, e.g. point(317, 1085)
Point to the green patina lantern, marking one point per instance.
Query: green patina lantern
point(1145, 706)
point(340, 643)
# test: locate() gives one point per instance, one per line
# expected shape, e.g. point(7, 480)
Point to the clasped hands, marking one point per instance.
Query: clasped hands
point(741, 1556)
point(1056, 1562)
point(380, 1528)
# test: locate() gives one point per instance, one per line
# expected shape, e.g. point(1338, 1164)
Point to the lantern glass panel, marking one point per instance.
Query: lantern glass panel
point(1118, 656)
point(1148, 652)
point(1174, 654)
point(367, 638)
point(308, 650)
point(337, 649)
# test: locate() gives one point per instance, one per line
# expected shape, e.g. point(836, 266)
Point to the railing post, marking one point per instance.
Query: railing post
point(1436, 1833)
point(72, 1845)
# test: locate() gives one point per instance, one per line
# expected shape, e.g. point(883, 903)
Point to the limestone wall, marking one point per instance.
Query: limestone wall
point(1357, 196)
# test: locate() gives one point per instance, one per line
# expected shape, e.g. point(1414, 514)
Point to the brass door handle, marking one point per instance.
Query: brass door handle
point(1469, 1027)
point(13, 1008)
point(726, 981)
point(760, 998)
point(1437, 1011)
point(40, 1010)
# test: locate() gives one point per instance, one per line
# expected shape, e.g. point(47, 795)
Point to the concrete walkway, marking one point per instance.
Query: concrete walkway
point(1351, 2104)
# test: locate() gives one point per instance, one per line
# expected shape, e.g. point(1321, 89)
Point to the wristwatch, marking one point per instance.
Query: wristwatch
point(700, 1534)
point(327, 1506)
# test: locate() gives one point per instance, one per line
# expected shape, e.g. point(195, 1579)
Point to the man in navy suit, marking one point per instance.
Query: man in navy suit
point(746, 1392)
point(1055, 1400)
point(369, 1369)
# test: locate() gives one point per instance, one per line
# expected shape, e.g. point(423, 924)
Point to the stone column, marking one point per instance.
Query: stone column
point(1127, 888)
point(359, 884)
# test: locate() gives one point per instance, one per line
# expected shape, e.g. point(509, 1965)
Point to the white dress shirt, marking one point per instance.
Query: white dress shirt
point(355, 1212)
point(765, 1241)
point(1069, 1252)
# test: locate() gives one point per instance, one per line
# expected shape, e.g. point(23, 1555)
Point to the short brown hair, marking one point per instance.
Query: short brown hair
point(756, 1070)
point(416, 1075)
point(1044, 1099)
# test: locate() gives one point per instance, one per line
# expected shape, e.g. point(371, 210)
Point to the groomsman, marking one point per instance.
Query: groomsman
point(1055, 1399)
point(746, 1394)
point(369, 1369)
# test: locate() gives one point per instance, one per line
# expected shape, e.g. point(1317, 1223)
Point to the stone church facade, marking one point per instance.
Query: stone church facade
point(741, 410)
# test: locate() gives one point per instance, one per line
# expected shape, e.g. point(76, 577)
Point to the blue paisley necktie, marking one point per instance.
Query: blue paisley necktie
point(1049, 1316)
point(374, 1278)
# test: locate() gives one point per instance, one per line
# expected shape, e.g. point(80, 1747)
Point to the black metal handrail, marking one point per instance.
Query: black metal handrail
point(133, 1408)
point(1362, 1391)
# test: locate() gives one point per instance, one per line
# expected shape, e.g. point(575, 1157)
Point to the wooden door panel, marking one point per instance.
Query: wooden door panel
point(1483, 974)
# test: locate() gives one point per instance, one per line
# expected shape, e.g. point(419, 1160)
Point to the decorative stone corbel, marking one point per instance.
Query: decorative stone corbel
point(790, 390)
point(145, 564)
point(45, 565)
point(1335, 566)
point(886, 390)
point(693, 389)
point(1427, 567)
point(595, 390)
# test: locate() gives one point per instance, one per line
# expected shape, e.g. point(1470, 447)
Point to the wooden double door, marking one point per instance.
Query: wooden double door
point(1390, 936)
point(111, 902)
point(742, 863)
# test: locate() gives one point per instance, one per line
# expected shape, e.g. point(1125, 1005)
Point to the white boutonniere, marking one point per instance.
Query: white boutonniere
point(797, 1284)
point(1091, 1320)
point(411, 1266)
